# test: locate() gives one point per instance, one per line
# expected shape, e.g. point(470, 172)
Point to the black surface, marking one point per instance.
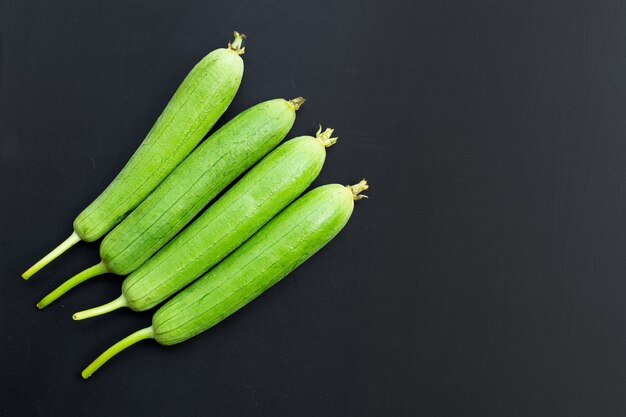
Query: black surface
point(484, 277)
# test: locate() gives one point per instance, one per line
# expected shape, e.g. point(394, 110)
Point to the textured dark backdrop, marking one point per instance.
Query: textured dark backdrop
point(484, 277)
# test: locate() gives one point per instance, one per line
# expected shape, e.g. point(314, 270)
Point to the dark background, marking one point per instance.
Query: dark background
point(484, 277)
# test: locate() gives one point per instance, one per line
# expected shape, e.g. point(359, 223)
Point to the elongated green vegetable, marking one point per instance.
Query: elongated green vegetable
point(198, 103)
point(277, 249)
point(196, 181)
point(264, 191)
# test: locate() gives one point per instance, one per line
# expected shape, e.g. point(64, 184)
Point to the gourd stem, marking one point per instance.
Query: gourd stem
point(103, 309)
point(128, 341)
point(325, 137)
point(56, 252)
point(295, 103)
point(356, 189)
point(237, 45)
point(91, 272)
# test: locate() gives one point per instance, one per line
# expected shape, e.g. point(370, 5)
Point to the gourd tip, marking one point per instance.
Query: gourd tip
point(296, 102)
point(356, 189)
point(103, 309)
point(56, 252)
point(146, 333)
point(237, 45)
point(325, 137)
point(97, 269)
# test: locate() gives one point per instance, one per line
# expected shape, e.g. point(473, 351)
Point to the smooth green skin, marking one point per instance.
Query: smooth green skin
point(196, 106)
point(264, 191)
point(277, 249)
point(195, 182)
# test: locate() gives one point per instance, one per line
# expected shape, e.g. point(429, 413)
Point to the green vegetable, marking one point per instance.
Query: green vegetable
point(277, 249)
point(198, 103)
point(208, 170)
point(264, 191)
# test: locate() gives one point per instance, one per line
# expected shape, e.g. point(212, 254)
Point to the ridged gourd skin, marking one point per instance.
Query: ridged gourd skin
point(264, 191)
point(277, 249)
point(207, 171)
point(269, 187)
point(213, 165)
point(199, 102)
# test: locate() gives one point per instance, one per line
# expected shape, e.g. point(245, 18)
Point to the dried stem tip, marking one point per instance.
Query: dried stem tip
point(237, 44)
point(358, 188)
point(297, 102)
point(325, 137)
